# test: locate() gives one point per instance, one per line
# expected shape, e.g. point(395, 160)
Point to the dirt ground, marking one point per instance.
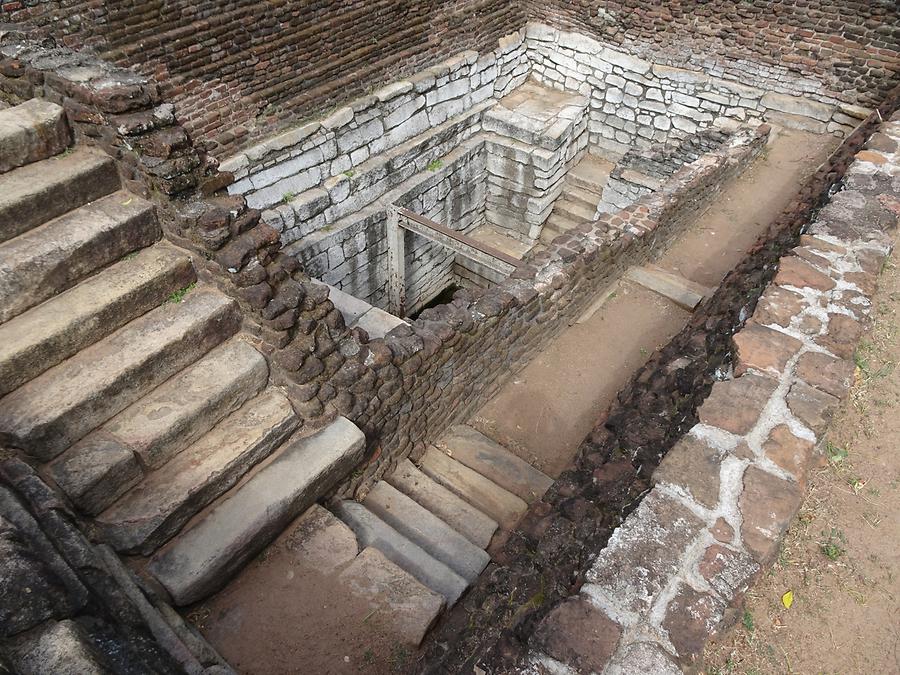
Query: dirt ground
point(841, 558)
point(552, 404)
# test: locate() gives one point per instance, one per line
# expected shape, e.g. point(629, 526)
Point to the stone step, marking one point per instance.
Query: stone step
point(591, 174)
point(202, 559)
point(153, 511)
point(45, 335)
point(408, 607)
point(683, 292)
point(548, 233)
point(453, 510)
point(61, 405)
point(30, 132)
point(573, 211)
point(482, 493)
point(427, 531)
point(371, 531)
point(562, 223)
point(492, 460)
point(586, 198)
point(33, 194)
point(49, 259)
point(104, 464)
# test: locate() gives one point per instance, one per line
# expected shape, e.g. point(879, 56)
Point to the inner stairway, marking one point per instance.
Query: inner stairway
point(581, 193)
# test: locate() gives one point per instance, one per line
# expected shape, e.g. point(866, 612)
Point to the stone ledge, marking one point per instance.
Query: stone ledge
point(674, 573)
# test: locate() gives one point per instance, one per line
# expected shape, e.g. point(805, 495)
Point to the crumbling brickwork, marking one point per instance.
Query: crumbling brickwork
point(232, 67)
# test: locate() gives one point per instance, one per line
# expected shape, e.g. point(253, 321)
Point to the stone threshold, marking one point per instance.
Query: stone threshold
point(673, 573)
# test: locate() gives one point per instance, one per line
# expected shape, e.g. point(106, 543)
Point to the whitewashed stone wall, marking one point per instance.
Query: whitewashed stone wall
point(635, 102)
point(527, 164)
point(313, 175)
point(353, 256)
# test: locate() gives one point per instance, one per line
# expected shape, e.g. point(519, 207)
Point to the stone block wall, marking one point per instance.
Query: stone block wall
point(638, 101)
point(527, 163)
point(839, 50)
point(240, 67)
point(352, 255)
point(314, 175)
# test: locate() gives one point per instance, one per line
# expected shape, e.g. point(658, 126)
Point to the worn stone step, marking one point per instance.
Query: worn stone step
point(683, 292)
point(493, 461)
point(202, 559)
point(154, 510)
point(480, 492)
point(33, 194)
point(453, 510)
point(409, 608)
point(32, 131)
point(59, 407)
point(49, 259)
point(53, 331)
point(573, 211)
point(561, 222)
point(586, 198)
point(370, 530)
point(426, 530)
point(147, 434)
point(591, 173)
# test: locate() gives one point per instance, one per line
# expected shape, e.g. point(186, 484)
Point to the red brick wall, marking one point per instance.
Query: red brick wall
point(852, 47)
point(239, 66)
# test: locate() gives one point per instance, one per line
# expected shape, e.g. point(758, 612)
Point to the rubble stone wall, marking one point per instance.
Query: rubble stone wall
point(673, 574)
point(841, 50)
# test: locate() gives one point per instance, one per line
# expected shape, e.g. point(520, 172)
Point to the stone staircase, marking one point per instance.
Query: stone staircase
point(127, 381)
point(582, 191)
point(436, 521)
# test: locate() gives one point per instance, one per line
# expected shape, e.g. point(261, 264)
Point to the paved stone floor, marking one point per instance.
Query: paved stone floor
point(545, 412)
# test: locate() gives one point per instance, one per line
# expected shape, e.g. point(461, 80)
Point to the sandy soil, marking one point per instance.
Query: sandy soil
point(545, 412)
point(841, 558)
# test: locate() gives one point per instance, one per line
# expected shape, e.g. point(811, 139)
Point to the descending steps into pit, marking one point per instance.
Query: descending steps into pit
point(436, 523)
point(128, 383)
point(582, 192)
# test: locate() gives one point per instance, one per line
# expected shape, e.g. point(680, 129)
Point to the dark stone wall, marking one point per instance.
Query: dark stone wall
point(852, 47)
point(236, 68)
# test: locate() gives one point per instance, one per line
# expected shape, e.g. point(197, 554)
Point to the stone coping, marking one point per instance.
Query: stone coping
point(675, 572)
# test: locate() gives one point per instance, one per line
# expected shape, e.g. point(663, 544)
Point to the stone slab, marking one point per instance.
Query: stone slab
point(320, 541)
point(426, 530)
point(58, 328)
point(186, 406)
point(476, 526)
point(735, 405)
point(767, 504)
point(33, 194)
point(155, 510)
point(202, 559)
point(61, 648)
point(579, 635)
point(684, 293)
point(694, 466)
point(49, 259)
point(493, 461)
point(764, 349)
point(371, 531)
point(57, 408)
point(480, 492)
point(30, 132)
point(408, 607)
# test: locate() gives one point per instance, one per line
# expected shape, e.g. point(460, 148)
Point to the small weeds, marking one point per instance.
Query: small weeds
point(747, 621)
point(833, 545)
point(178, 296)
point(288, 197)
point(434, 165)
point(369, 657)
point(835, 454)
point(399, 656)
point(349, 173)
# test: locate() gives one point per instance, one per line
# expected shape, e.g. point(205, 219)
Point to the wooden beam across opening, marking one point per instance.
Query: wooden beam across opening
point(460, 243)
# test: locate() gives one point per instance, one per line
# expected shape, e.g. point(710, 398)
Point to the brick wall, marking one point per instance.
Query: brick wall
point(848, 48)
point(237, 67)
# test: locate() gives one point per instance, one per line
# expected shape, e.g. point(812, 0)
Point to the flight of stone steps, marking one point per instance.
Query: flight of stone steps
point(127, 382)
point(434, 522)
point(582, 191)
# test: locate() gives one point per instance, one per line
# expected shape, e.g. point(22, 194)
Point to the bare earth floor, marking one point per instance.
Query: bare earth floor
point(841, 558)
point(545, 412)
